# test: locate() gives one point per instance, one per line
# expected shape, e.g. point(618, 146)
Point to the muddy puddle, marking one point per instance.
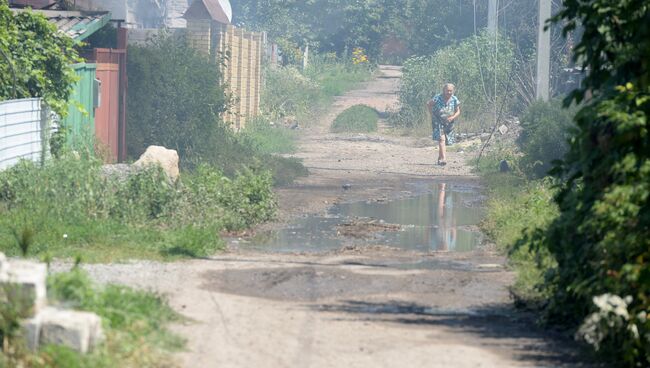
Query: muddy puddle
point(443, 217)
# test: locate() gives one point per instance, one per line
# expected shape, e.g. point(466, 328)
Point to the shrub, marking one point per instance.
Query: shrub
point(358, 118)
point(471, 65)
point(35, 59)
point(268, 138)
point(544, 137)
point(72, 208)
point(600, 237)
point(290, 93)
point(175, 99)
point(287, 92)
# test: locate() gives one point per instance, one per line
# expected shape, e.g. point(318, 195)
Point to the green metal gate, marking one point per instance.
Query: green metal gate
point(80, 122)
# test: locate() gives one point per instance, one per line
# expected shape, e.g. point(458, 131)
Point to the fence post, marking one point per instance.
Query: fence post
point(45, 131)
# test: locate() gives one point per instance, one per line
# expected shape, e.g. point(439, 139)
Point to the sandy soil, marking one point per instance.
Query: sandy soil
point(358, 307)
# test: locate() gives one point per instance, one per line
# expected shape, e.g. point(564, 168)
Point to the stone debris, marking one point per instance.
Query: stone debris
point(167, 159)
point(80, 331)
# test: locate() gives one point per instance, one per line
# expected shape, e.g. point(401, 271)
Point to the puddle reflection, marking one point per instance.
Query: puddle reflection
point(443, 219)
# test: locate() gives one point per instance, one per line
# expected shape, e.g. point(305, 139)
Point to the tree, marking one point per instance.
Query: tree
point(176, 98)
point(35, 59)
point(601, 238)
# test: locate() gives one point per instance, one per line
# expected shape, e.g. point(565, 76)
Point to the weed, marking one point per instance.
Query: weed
point(77, 209)
point(358, 118)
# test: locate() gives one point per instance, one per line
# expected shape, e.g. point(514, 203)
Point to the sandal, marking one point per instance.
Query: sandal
point(442, 163)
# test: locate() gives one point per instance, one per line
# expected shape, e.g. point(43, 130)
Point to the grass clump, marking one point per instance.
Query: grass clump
point(73, 208)
point(134, 323)
point(303, 95)
point(517, 208)
point(267, 137)
point(356, 119)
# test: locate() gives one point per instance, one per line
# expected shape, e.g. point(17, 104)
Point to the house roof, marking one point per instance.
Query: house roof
point(78, 25)
point(218, 10)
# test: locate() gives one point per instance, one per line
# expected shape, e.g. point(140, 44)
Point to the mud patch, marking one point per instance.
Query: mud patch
point(365, 228)
point(308, 284)
point(442, 218)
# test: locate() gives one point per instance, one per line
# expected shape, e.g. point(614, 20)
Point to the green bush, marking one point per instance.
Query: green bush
point(287, 92)
point(175, 100)
point(518, 207)
point(290, 93)
point(471, 65)
point(183, 112)
point(268, 138)
point(358, 118)
point(600, 237)
point(544, 137)
point(35, 59)
point(73, 208)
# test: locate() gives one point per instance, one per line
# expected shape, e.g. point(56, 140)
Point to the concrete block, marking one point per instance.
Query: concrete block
point(31, 332)
point(26, 280)
point(81, 331)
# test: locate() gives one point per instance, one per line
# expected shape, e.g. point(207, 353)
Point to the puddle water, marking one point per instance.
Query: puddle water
point(442, 219)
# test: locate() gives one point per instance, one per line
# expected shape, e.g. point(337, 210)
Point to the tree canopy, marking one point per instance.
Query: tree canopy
point(35, 59)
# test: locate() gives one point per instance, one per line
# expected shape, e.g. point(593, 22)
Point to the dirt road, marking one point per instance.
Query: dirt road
point(357, 307)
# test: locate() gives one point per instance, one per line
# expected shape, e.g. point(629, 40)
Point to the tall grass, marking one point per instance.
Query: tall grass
point(73, 208)
point(134, 322)
point(516, 208)
point(358, 118)
point(303, 95)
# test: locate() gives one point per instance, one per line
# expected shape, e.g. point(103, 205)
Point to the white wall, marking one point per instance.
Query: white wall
point(22, 131)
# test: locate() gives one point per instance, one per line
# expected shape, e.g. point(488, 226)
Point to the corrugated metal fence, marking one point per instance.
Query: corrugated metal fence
point(24, 131)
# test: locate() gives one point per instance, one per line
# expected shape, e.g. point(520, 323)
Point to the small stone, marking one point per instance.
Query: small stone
point(346, 186)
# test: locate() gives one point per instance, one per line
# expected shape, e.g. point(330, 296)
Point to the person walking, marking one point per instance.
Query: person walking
point(444, 108)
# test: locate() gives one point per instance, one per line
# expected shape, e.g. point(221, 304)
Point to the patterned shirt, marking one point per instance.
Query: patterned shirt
point(446, 109)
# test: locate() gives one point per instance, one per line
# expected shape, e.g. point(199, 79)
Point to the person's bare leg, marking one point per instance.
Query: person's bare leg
point(442, 152)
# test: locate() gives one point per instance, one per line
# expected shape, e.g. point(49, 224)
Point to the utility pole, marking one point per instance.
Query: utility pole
point(492, 16)
point(543, 52)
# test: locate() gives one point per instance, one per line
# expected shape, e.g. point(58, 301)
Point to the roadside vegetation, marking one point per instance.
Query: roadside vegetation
point(134, 324)
point(295, 96)
point(577, 234)
point(356, 119)
point(69, 207)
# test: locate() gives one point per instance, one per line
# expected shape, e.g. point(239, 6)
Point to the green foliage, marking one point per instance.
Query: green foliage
point(358, 118)
point(135, 323)
point(544, 137)
point(471, 65)
point(184, 111)
point(518, 207)
point(175, 99)
point(335, 76)
point(600, 237)
point(289, 93)
point(268, 138)
point(73, 207)
point(327, 25)
point(35, 59)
